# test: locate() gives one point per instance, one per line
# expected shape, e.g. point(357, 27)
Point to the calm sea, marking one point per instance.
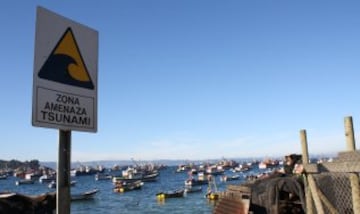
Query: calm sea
point(137, 201)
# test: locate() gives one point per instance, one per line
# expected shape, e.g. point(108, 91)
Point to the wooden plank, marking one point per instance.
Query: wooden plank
point(333, 167)
point(315, 195)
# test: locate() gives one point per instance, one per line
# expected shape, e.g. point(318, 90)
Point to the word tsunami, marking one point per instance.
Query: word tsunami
point(66, 109)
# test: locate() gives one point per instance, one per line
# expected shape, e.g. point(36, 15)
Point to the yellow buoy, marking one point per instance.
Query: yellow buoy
point(160, 196)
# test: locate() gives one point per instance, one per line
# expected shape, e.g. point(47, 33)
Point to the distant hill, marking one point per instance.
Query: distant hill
point(15, 164)
point(167, 162)
point(111, 163)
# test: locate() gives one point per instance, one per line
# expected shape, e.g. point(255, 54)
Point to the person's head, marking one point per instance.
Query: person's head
point(287, 160)
point(298, 167)
point(295, 158)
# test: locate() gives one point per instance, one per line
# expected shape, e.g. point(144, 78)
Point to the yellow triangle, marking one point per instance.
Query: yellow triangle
point(66, 65)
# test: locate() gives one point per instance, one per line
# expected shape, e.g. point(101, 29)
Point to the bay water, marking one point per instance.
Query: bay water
point(132, 202)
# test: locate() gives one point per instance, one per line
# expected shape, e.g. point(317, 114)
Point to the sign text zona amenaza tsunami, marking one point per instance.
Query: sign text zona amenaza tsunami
point(66, 109)
point(65, 74)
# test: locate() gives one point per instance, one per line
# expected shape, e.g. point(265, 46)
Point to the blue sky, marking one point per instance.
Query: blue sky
point(195, 79)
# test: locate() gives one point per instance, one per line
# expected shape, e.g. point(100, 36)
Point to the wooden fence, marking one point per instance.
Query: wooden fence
point(333, 187)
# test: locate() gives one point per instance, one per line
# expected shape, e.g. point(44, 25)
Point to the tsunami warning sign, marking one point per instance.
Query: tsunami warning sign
point(65, 64)
point(65, 74)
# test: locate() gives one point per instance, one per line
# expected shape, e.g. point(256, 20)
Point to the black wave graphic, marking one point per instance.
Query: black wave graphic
point(56, 69)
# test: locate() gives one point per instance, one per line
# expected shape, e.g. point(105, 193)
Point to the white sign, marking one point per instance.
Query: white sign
point(65, 74)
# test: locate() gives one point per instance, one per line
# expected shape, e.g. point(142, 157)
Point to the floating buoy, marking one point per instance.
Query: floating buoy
point(119, 190)
point(161, 196)
point(212, 196)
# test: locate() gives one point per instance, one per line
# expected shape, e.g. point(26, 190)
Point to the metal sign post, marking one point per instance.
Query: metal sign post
point(63, 198)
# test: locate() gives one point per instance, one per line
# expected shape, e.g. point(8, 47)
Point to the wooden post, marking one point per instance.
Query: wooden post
point(304, 146)
point(305, 158)
point(349, 134)
point(355, 192)
point(63, 173)
point(315, 195)
point(354, 177)
point(308, 197)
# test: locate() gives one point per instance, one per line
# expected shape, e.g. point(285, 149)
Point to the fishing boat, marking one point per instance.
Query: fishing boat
point(241, 168)
point(47, 178)
point(88, 195)
point(100, 177)
point(191, 189)
point(52, 184)
point(184, 168)
point(226, 178)
point(83, 170)
point(137, 177)
point(202, 179)
point(268, 163)
point(212, 193)
point(127, 186)
point(24, 181)
point(214, 170)
point(171, 194)
point(195, 182)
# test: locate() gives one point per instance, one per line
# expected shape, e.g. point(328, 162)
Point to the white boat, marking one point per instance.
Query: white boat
point(99, 177)
point(226, 178)
point(84, 196)
point(24, 181)
point(52, 184)
point(47, 178)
